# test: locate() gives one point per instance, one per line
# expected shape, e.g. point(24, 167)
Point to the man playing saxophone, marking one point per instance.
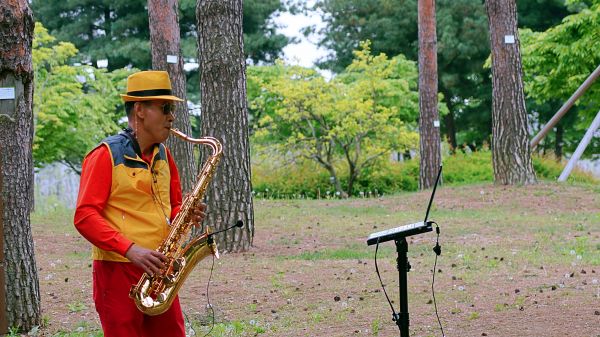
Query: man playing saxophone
point(129, 193)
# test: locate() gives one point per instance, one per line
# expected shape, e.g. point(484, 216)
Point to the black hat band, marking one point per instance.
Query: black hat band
point(147, 93)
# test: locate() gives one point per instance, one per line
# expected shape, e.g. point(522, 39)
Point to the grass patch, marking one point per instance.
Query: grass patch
point(230, 329)
point(345, 253)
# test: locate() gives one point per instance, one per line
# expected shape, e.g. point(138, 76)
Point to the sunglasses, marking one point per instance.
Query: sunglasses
point(168, 108)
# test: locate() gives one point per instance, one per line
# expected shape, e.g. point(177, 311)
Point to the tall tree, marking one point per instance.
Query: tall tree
point(118, 30)
point(511, 152)
point(166, 55)
point(16, 177)
point(107, 29)
point(462, 49)
point(225, 116)
point(429, 120)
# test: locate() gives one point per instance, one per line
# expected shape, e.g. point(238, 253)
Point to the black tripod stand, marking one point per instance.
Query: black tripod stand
point(401, 318)
point(399, 235)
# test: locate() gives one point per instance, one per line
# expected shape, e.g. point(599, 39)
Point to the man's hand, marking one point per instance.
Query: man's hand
point(199, 213)
point(150, 261)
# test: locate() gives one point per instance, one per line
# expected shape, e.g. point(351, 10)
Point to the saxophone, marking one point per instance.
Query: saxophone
point(153, 295)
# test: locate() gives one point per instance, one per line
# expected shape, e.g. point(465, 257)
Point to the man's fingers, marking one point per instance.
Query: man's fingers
point(159, 256)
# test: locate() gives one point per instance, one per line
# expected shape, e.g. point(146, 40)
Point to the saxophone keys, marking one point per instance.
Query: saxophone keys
point(168, 280)
point(148, 302)
point(161, 298)
point(178, 264)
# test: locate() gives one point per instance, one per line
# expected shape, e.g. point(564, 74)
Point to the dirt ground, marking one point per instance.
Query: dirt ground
point(516, 261)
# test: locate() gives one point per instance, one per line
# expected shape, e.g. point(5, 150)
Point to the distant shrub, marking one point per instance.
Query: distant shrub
point(547, 168)
point(468, 168)
point(299, 180)
point(306, 179)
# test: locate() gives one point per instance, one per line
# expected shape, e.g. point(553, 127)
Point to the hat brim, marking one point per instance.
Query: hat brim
point(127, 98)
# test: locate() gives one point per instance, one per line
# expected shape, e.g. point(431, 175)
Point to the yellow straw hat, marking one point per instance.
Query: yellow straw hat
point(149, 85)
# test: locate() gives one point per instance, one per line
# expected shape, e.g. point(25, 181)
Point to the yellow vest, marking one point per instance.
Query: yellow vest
point(139, 204)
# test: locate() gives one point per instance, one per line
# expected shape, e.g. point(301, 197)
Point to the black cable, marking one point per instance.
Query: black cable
point(208, 297)
point(438, 251)
point(395, 316)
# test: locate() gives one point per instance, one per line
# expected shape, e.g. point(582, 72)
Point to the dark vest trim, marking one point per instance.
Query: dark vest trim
point(122, 149)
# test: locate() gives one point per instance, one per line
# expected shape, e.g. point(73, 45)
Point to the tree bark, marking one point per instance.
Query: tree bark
point(449, 125)
point(22, 305)
point(429, 119)
point(558, 144)
point(165, 41)
point(511, 152)
point(225, 116)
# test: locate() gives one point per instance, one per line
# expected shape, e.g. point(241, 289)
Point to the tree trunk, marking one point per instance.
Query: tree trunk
point(511, 152)
point(429, 119)
point(18, 268)
point(225, 116)
point(558, 145)
point(449, 124)
point(165, 44)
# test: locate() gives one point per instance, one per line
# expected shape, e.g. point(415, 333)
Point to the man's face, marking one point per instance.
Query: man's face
point(158, 119)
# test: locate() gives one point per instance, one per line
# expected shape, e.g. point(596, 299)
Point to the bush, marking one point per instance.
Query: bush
point(547, 168)
point(308, 180)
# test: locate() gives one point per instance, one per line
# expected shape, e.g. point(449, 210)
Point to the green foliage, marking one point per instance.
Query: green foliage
point(463, 46)
point(70, 116)
point(304, 180)
point(261, 102)
point(300, 179)
point(119, 30)
point(392, 27)
point(468, 168)
point(556, 62)
point(348, 123)
point(549, 169)
point(540, 15)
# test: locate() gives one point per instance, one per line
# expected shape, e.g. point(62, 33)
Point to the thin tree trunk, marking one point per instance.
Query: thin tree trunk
point(449, 124)
point(165, 42)
point(511, 152)
point(225, 116)
point(558, 145)
point(16, 177)
point(428, 89)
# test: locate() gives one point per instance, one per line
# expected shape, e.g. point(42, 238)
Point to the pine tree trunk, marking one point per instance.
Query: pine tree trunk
point(225, 116)
point(449, 124)
point(18, 268)
point(165, 41)
point(511, 152)
point(429, 119)
point(558, 144)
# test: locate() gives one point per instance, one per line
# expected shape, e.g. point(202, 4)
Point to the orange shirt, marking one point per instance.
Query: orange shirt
point(94, 190)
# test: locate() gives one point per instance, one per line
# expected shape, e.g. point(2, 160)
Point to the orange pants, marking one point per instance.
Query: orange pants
point(119, 315)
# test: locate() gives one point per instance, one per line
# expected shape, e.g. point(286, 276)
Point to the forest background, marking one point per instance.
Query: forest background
point(303, 123)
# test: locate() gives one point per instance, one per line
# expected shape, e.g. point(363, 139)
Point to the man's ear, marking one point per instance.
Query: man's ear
point(138, 110)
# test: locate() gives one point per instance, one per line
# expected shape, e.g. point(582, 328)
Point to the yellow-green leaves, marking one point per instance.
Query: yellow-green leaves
point(74, 106)
point(353, 120)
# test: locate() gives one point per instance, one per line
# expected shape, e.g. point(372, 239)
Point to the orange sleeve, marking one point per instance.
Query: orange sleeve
point(175, 190)
point(94, 189)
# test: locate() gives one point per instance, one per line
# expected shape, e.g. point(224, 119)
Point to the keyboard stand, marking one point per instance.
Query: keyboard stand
point(402, 317)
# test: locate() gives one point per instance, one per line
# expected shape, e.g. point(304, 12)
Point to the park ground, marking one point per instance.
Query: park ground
point(516, 261)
